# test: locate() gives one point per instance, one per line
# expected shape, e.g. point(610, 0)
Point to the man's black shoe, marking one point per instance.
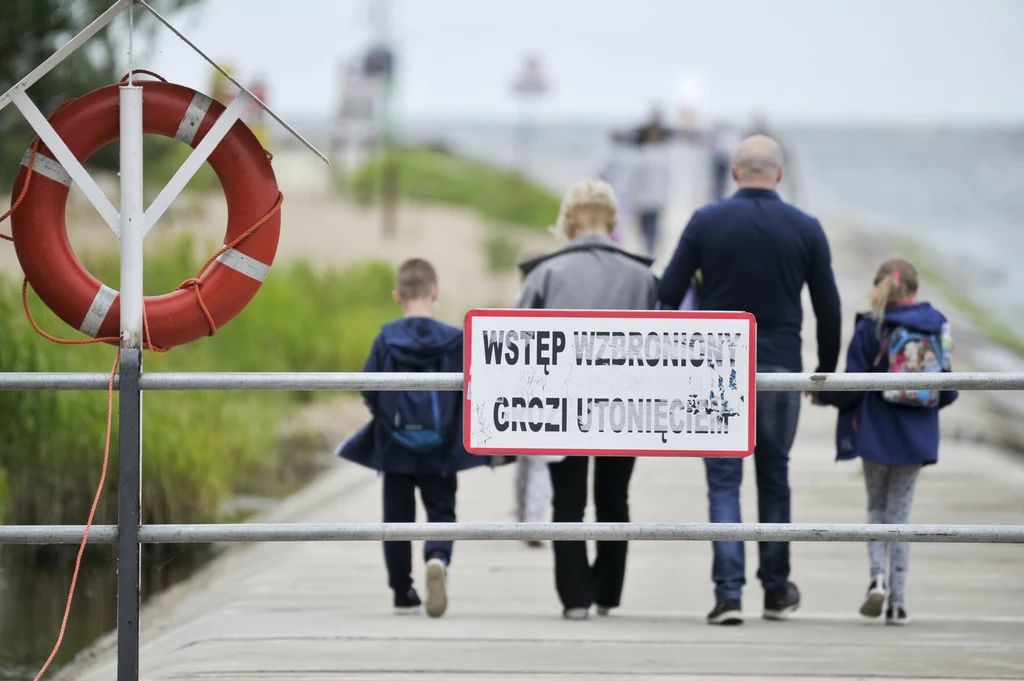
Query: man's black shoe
point(779, 605)
point(728, 612)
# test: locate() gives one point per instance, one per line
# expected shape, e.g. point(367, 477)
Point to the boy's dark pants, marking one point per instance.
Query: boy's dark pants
point(438, 495)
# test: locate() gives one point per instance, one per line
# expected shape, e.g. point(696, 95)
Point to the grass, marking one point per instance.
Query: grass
point(200, 448)
point(434, 176)
point(502, 252)
point(938, 279)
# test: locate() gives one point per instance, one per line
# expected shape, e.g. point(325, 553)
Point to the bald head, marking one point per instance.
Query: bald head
point(758, 163)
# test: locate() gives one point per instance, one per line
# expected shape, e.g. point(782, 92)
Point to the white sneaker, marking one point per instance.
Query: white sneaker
point(437, 589)
point(603, 611)
point(576, 613)
point(874, 601)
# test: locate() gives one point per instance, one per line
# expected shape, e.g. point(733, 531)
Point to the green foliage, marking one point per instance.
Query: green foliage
point(502, 252)
point(199, 447)
point(428, 175)
point(162, 157)
point(3, 493)
point(30, 32)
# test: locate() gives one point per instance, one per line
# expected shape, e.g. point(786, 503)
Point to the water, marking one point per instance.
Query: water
point(957, 193)
point(33, 593)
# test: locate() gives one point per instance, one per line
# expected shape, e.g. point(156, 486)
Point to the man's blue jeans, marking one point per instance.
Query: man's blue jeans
point(776, 419)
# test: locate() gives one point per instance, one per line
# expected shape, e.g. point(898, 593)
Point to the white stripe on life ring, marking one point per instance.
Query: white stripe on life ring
point(47, 167)
point(98, 310)
point(244, 264)
point(194, 115)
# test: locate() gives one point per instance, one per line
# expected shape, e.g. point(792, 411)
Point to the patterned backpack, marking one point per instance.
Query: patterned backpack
point(906, 350)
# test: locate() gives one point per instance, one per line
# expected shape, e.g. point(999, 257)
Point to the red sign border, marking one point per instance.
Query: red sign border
point(609, 314)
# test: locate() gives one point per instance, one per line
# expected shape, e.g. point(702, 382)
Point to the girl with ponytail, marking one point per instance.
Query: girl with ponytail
point(894, 433)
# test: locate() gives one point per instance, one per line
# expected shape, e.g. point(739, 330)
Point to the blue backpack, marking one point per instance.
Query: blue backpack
point(905, 350)
point(415, 419)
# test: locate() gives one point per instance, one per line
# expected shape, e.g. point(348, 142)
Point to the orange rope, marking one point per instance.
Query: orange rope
point(88, 523)
point(148, 73)
point(62, 341)
point(28, 174)
point(194, 282)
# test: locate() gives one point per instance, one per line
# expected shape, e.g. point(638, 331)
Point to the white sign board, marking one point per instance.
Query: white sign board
point(582, 382)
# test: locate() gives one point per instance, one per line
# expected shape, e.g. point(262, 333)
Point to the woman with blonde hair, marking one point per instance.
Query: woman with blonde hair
point(895, 433)
point(590, 273)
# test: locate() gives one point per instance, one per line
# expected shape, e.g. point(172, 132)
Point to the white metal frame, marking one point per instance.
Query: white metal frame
point(131, 225)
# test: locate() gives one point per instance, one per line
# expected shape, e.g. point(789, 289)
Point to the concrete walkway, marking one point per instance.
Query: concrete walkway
point(322, 611)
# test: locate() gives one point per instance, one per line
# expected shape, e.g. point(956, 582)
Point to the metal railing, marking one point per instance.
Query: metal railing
point(129, 534)
point(305, 532)
point(333, 381)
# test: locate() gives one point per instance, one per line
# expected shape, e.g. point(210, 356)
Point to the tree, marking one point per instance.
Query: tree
point(30, 31)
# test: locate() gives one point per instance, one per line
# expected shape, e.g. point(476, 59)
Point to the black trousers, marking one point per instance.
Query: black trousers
point(579, 584)
point(438, 495)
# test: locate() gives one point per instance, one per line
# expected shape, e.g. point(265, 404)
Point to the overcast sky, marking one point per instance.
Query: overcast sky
point(902, 61)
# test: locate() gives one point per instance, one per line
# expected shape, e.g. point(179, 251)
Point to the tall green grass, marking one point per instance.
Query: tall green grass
point(199, 447)
point(437, 177)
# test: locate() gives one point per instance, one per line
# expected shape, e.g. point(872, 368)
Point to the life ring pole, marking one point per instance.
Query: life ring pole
point(132, 217)
point(129, 493)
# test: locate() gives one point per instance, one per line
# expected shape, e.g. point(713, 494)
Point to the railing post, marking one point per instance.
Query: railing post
point(129, 499)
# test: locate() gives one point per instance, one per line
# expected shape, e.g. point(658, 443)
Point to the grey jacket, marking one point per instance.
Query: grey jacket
point(591, 273)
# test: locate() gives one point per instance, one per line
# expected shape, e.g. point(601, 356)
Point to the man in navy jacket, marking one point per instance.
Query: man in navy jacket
point(755, 253)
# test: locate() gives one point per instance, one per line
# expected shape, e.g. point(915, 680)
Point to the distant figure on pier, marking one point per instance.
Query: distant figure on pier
point(755, 254)
point(894, 433)
point(617, 171)
point(650, 178)
point(591, 273)
point(723, 143)
point(415, 437)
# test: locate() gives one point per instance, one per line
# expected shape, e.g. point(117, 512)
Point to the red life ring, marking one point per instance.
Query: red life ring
point(57, 275)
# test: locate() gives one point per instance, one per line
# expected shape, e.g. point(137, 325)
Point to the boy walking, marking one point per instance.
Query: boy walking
point(414, 437)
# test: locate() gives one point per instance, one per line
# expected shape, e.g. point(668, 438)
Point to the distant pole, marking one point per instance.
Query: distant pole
point(530, 85)
point(380, 65)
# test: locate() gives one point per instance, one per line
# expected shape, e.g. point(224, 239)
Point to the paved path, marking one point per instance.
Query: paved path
point(322, 611)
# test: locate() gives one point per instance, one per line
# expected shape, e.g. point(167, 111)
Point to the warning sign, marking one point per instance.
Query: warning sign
point(579, 382)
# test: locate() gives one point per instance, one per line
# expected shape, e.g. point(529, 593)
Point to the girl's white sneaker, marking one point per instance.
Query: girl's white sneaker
point(874, 601)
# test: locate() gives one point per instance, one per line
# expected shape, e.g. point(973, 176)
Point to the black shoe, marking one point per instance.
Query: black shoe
point(729, 613)
point(407, 604)
point(779, 605)
point(897, 617)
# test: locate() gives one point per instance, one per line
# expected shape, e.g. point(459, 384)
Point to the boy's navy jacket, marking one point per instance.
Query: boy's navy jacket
point(876, 430)
point(417, 344)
